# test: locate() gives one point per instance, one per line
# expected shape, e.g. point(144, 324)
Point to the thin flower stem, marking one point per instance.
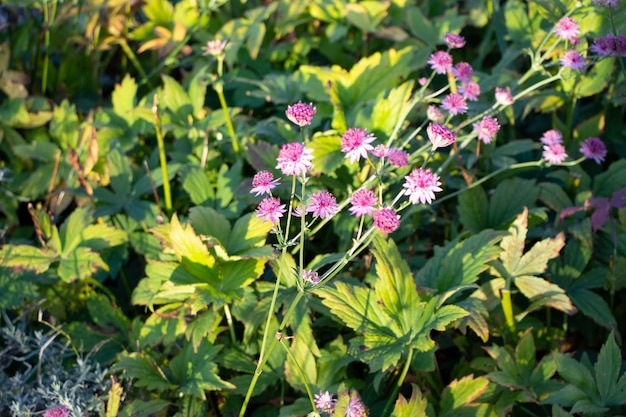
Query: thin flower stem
point(302, 231)
point(162, 156)
point(231, 327)
point(302, 375)
point(396, 388)
point(219, 89)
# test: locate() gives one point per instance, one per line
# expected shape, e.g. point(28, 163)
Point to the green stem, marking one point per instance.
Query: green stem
point(48, 19)
point(231, 327)
point(219, 89)
point(133, 59)
point(396, 389)
point(302, 375)
point(507, 307)
point(162, 156)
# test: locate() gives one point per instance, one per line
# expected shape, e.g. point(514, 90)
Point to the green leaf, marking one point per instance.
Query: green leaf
point(206, 221)
point(80, 264)
point(25, 257)
point(72, 228)
point(607, 370)
point(594, 306)
point(535, 261)
point(596, 80)
point(192, 252)
point(473, 209)
point(546, 293)
point(196, 372)
point(15, 287)
point(101, 236)
point(124, 99)
point(416, 406)
point(139, 408)
point(327, 153)
point(610, 181)
point(240, 273)
point(461, 393)
point(248, 232)
point(510, 198)
point(143, 369)
point(200, 189)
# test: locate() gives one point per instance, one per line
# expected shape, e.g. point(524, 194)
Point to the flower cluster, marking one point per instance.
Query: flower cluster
point(566, 28)
point(486, 129)
point(300, 113)
point(573, 59)
point(609, 45)
point(593, 148)
point(355, 143)
point(553, 150)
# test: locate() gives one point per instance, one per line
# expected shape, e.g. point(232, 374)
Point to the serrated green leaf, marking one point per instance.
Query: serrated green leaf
point(101, 236)
point(575, 373)
point(525, 355)
point(25, 257)
point(192, 252)
point(592, 305)
point(535, 261)
point(607, 369)
point(120, 174)
point(72, 228)
point(547, 293)
point(326, 150)
point(145, 372)
point(139, 408)
point(416, 406)
point(207, 221)
point(124, 99)
point(473, 209)
point(80, 264)
point(460, 393)
point(164, 326)
point(237, 274)
point(510, 198)
point(610, 181)
point(248, 232)
point(198, 186)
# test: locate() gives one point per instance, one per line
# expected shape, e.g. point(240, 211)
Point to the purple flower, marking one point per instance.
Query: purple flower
point(503, 96)
point(355, 143)
point(263, 182)
point(421, 185)
point(551, 137)
point(355, 407)
point(57, 412)
point(554, 154)
point(294, 159)
point(606, 3)
point(300, 113)
point(434, 114)
point(566, 28)
point(322, 204)
point(312, 278)
point(325, 402)
point(470, 90)
point(380, 151)
point(593, 148)
point(453, 40)
point(573, 59)
point(486, 129)
point(463, 71)
point(386, 220)
point(607, 45)
point(363, 202)
point(270, 210)
point(398, 158)
point(454, 104)
point(439, 135)
point(440, 62)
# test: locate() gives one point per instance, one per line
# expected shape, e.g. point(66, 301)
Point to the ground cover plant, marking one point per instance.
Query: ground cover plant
point(316, 208)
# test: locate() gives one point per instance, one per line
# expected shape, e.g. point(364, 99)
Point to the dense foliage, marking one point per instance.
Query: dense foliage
point(312, 208)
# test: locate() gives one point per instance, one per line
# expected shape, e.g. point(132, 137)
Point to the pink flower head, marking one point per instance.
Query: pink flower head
point(263, 182)
point(270, 210)
point(311, 277)
point(440, 62)
point(294, 159)
point(470, 90)
point(434, 114)
point(325, 402)
point(463, 71)
point(554, 154)
point(503, 96)
point(454, 104)
point(398, 158)
point(363, 202)
point(57, 412)
point(453, 40)
point(593, 148)
point(386, 220)
point(604, 46)
point(606, 3)
point(380, 151)
point(573, 59)
point(355, 143)
point(214, 47)
point(421, 185)
point(551, 137)
point(486, 129)
point(355, 407)
point(422, 81)
point(439, 135)
point(301, 113)
point(566, 28)
point(322, 204)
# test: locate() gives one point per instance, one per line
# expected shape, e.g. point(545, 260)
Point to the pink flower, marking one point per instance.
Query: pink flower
point(503, 96)
point(355, 143)
point(294, 159)
point(263, 182)
point(573, 59)
point(355, 407)
point(422, 81)
point(604, 46)
point(363, 202)
point(463, 71)
point(487, 129)
point(322, 204)
point(551, 137)
point(470, 90)
point(593, 148)
point(554, 154)
point(380, 151)
point(386, 220)
point(439, 135)
point(453, 40)
point(566, 28)
point(454, 104)
point(325, 402)
point(440, 62)
point(270, 210)
point(57, 412)
point(398, 158)
point(214, 47)
point(300, 113)
point(313, 278)
point(421, 185)
point(434, 114)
